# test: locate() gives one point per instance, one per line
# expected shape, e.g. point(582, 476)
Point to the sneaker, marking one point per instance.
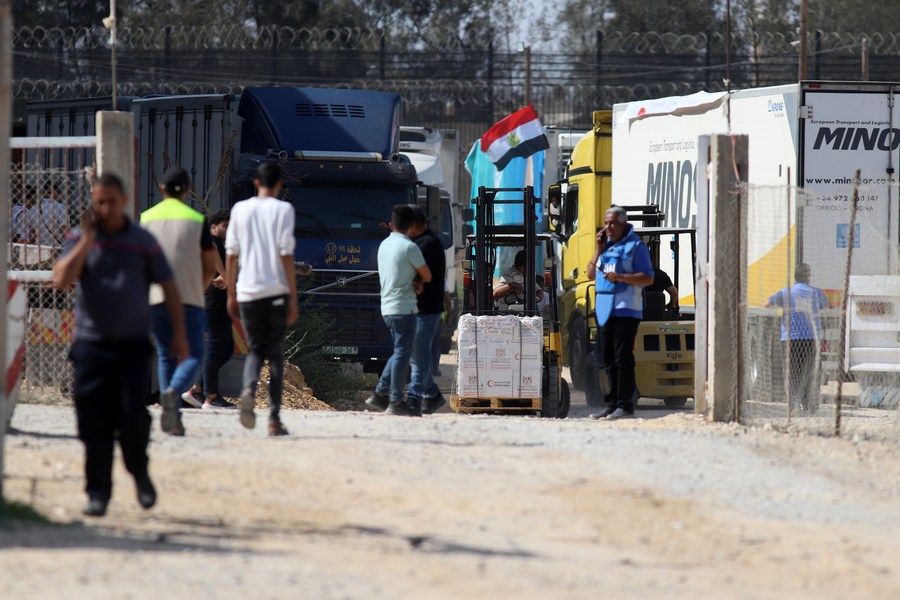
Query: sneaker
point(193, 398)
point(378, 401)
point(169, 418)
point(402, 409)
point(146, 493)
point(218, 402)
point(276, 429)
point(95, 507)
point(248, 403)
point(603, 413)
point(620, 413)
point(430, 405)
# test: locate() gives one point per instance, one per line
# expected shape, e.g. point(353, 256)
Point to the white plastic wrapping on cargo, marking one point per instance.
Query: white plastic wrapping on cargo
point(500, 356)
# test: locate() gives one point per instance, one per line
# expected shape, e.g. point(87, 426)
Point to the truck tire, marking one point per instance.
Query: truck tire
point(565, 401)
point(551, 400)
point(578, 354)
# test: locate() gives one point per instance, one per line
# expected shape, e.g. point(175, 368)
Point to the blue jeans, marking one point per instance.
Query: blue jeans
point(172, 374)
point(422, 379)
point(403, 332)
point(436, 348)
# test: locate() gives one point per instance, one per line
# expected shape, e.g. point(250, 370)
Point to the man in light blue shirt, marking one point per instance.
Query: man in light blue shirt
point(401, 272)
point(805, 336)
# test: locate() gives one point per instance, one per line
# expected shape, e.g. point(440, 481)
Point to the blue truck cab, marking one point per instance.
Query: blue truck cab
point(339, 150)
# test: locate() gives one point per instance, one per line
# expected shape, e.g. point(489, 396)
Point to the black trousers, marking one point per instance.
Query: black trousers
point(265, 323)
point(111, 391)
point(804, 374)
point(219, 348)
point(617, 356)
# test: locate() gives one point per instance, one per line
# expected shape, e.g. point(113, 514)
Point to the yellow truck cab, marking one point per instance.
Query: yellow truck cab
point(584, 196)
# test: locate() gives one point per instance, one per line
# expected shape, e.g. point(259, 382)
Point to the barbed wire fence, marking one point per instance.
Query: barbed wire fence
point(466, 74)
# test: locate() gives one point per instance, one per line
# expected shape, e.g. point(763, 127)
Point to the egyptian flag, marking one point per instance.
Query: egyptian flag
point(519, 134)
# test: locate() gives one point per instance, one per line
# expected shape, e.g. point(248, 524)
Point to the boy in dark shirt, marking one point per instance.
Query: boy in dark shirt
point(114, 262)
point(219, 336)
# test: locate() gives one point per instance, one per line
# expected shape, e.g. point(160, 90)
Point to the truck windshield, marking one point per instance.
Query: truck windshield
point(345, 210)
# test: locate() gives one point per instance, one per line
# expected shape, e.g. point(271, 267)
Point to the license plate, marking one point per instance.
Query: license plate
point(340, 350)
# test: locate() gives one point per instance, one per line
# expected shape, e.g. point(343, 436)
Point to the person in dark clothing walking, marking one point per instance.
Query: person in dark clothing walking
point(114, 262)
point(219, 337)
point(422, 388)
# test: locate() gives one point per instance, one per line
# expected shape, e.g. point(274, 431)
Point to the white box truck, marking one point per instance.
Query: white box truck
point(812, 135)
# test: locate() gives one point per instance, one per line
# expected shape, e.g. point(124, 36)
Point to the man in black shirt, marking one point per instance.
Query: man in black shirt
point(422, 388)
point(219, 337)
point(663, 283)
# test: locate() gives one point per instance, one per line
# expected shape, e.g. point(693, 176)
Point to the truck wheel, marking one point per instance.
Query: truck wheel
point(675, 402)
point(550, 399)
point(565, 401)
point(578, 352)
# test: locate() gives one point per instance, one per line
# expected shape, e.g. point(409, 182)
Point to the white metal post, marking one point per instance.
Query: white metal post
point(5, 124)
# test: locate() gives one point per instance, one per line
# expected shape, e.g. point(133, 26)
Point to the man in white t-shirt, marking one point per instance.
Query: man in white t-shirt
point(262, 288)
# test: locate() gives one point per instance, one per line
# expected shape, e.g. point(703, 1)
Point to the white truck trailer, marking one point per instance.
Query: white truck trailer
point(809, 135)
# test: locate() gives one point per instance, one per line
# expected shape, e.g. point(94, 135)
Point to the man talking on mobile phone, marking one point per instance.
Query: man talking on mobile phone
point(622, 266)
point(113, 262)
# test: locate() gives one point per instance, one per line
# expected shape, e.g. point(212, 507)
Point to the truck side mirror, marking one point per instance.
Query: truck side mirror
point(468, 214)
point(555, 209)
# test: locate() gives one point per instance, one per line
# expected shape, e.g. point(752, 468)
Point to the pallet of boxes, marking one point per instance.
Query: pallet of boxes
point(500, 364)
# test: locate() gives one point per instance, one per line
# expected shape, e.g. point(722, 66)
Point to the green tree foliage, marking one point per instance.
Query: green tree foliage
point(59, 13)
point(661, 16)
point(580, 20)
point(853, 16)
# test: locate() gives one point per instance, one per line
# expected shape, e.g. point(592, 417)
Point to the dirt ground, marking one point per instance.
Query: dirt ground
point(358, 505)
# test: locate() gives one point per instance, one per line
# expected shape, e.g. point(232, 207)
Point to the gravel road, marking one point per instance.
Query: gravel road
point(358, 505)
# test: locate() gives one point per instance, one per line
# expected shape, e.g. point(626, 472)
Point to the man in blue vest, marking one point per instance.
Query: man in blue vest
point(622, 266)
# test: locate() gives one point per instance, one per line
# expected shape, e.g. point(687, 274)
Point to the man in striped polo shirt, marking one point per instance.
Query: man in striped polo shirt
point(184, 237)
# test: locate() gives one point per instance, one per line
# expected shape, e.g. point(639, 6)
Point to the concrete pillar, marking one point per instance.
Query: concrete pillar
point(5, 131)
point(725, 298)
point(115, 150)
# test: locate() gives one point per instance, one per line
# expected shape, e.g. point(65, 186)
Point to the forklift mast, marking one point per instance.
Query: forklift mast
point(486, 247)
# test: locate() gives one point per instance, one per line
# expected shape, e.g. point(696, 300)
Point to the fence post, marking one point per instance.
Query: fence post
point(726, 275)
point(598, 69)
point(382, 56)
point(167, 53)
point(708, 57)
point(115, 150)
point(274, 54)
point(5, 124)
point(817, 74)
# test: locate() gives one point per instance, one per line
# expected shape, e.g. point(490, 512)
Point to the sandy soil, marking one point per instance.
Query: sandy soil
point(357, 505)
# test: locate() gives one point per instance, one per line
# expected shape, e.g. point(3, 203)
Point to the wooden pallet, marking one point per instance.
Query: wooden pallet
point(494, 404)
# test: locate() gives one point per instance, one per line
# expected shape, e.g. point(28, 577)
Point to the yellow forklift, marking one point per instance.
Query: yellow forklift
point(483, 249)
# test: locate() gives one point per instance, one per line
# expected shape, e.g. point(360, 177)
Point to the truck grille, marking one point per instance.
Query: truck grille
point(356, 326)
point(330, 110)
point(340, 283)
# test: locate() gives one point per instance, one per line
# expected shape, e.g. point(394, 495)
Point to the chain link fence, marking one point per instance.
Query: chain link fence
point(49, 189)
point(821, 349)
